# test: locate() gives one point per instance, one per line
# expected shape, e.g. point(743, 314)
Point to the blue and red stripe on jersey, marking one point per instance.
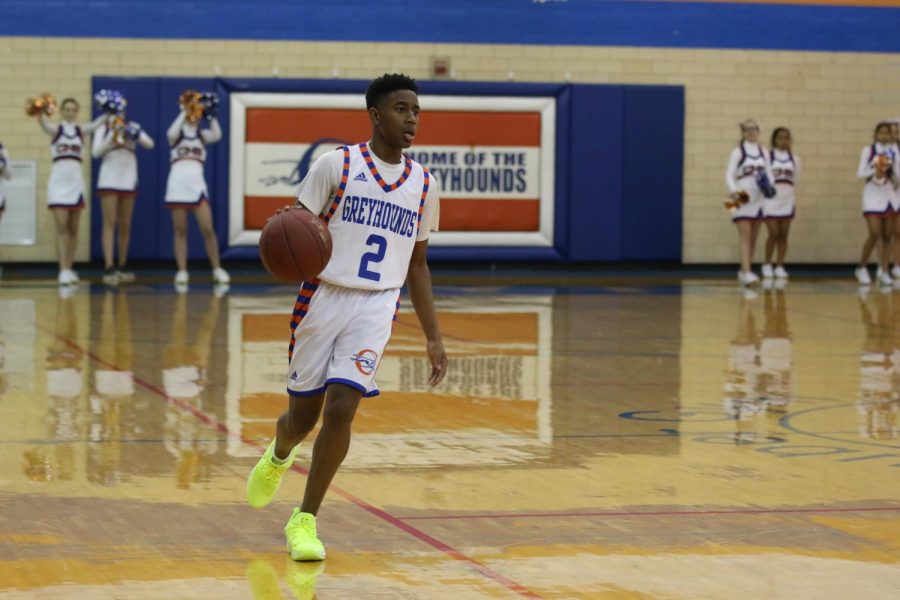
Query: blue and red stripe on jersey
point(407, 169)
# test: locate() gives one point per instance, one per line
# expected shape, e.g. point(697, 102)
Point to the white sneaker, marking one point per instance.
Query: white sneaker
point(895, 272)
point(182, 278)
point(780, 272)
point(73, 276)
point(220, 275)
point(64, 278)
point(862, 276)
point(884, 278)
point(767, 272)
point(125, 276)
point(748, 278)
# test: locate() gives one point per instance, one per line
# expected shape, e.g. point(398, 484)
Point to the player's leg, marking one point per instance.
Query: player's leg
point(179, 240)
point(74, 219)
point(784, 228)
point(109, 206)
point(744, 227)
point(296, 423)
point(771, 241)
point(329, 451)
point(895, 248)
point(884, 249)
point(332, 443)
point(61, 221)
point(873, 229)
point(126, 212)
point(204, 219)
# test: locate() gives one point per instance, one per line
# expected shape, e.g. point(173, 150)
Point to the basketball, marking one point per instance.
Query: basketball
point(295, 245)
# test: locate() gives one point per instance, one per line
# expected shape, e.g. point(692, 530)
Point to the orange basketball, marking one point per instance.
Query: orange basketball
point(295, 245)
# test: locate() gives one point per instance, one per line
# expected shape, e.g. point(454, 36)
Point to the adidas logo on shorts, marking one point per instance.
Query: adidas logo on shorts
point(361, 176)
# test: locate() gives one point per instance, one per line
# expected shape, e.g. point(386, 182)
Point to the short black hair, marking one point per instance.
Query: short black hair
point(68, 100)
point(384, 85)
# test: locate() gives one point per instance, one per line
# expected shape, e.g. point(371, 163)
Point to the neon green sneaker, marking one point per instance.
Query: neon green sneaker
point(265, 478)
point(302, 541)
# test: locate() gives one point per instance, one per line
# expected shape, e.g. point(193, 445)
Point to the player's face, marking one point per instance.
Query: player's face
point(783, 140)
point(751, 134)
point(883, 134)
point(69, 111)
point(397, 118)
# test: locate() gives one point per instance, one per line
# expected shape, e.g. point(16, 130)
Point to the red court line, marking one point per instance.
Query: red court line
point(651, 513)
point(358, 502)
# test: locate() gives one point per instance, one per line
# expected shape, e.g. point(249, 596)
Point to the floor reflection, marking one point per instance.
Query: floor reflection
point(671, 441)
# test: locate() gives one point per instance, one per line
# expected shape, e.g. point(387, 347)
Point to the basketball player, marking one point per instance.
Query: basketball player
point(779, 211)
point(746, 162)
point(115, 143)
point(65, 188)
point(878, 167)
point(186, 191)
point(342, 320)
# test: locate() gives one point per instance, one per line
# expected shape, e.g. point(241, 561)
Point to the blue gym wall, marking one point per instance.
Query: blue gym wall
point(607, 204)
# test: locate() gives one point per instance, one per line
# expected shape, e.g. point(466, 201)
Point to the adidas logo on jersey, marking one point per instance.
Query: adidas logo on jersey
point(294, 376)
point(361, 176)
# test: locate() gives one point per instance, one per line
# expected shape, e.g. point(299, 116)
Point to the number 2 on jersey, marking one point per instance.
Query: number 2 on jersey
point(372, 257)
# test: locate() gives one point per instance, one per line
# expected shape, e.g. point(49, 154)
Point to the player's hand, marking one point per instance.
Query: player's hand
point(438, 358)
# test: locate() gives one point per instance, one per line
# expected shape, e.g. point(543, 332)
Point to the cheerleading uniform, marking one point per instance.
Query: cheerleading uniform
point(186, 185)
point(878, 193)
point(745, 162)
point(785, 167)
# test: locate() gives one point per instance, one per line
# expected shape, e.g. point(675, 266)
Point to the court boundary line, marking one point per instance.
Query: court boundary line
point(398, 523)
point(650, 513)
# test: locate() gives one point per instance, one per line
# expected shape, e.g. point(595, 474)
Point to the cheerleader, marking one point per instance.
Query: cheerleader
point(878, 167)
point(5, 173)
point(748, 172)
point(65, 188)
point(779, 211)
point(115, 144)
point(186, 187)
point(895, 202)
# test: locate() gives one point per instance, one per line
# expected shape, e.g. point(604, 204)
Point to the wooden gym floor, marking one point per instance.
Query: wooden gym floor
point(646, 438)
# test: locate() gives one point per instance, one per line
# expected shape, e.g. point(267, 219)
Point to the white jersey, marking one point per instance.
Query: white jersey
point(118, 168)
point(4, 170)
point(878, 194)
point(376, 212)
point(65, 188)
point(745, 162)
point(186, 184)
point(785, 169)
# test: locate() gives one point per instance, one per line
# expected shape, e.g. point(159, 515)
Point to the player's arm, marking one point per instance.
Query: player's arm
point(732, 167)
point(103, 143)
point(144, 140)
point(5, 171)
point(174, 131)
point(866, 168)
point(418, 282)
point(214, 133)
point(49, 127)
point(91, 127)
point(317, 189)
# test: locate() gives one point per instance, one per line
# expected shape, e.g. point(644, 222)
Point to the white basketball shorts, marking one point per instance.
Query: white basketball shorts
point(339, 337)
